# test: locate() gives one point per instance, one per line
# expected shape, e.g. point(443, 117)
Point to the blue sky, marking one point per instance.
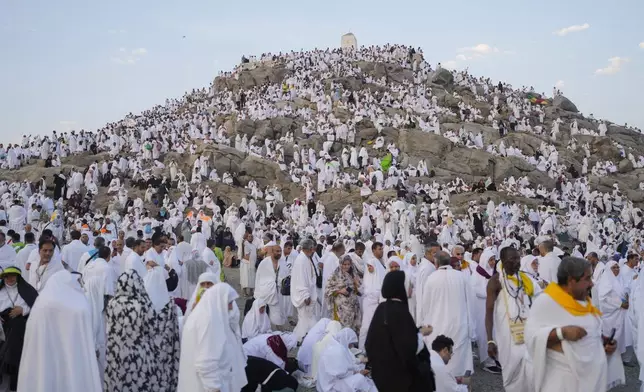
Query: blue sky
point(71, 64)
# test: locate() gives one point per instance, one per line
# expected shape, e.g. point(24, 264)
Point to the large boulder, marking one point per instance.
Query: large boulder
point(468, 162)
point(564, 103)
point(389, 71)
point(223, 158)
point(250, 76)
point(426, 145)
point(273, 128)
point(528, 143)
point(489, 134)
point(625, 165)
point(263, 171)
point(442, 77)
point(603, 148)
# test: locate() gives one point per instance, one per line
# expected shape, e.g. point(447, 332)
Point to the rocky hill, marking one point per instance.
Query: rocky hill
point(446, 159)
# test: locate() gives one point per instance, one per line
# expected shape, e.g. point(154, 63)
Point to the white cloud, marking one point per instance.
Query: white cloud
point(614, 66)
point(479, 50)
point(559, 84)
point(472, 53)
point(116, 31)
point(451, 64)
point(124, 60)
point(128, 57)
point(572, 29)
point(642, 45)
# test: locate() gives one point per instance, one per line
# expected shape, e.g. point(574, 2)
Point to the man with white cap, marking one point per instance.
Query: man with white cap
point(267, 285)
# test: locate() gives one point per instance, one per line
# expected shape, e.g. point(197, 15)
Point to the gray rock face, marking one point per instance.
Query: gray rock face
point(443, 77)
point(418, 143)
point(625, 166)
point(252, 77)
point(564, 104)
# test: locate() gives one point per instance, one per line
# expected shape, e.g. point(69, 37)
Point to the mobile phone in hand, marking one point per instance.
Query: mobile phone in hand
point(612, 336)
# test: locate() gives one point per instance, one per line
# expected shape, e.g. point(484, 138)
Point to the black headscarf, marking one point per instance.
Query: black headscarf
point(14, 328)
point(25, 290)
point(393, 286)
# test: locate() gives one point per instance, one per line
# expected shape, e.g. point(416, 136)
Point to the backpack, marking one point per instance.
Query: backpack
point(285, 286)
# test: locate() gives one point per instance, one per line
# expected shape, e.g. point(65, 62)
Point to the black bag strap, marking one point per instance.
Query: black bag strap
point(314, 268)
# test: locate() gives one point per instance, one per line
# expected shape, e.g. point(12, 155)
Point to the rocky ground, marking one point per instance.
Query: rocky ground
point(482, 381)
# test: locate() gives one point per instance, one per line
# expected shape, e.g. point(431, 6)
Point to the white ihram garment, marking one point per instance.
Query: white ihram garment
point(59, 352)
point(446, 306)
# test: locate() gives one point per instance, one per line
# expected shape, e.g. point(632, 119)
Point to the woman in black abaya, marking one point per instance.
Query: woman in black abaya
point(392, 345)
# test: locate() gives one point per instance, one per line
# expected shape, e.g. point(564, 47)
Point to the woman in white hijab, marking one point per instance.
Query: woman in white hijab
point(395, 263)
point(530, 265)
point(256, 321)
point(156, 287)
point(212, 357)
point(339, 370)
point(59, 352)
point(410, 266)
point(318, 348)
point(613, 303)
point(206, 281)
point(305, 353)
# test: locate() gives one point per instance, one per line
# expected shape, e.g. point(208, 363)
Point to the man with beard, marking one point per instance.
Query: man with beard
point(562, 324)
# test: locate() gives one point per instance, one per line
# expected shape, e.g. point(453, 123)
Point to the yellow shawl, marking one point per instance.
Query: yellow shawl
point(527, 283)
point(567, 302)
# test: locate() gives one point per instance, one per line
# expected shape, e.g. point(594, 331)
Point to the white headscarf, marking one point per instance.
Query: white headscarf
point(305, 353)
point(255, 323)
point(397, 260)
point(205, 277)
point(408, 268)
point(212, 342)
point(157, 288)
point(346, 336)
point(331, 329)
point(609, 282)
point(487, 254)
point(526, 265)
point(60, 331)
point(337, 359)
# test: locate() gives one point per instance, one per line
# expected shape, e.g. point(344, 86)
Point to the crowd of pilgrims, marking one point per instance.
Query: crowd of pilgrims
point(397, 296)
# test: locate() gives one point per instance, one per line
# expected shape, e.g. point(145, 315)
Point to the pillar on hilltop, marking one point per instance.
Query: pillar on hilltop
point(349, 41)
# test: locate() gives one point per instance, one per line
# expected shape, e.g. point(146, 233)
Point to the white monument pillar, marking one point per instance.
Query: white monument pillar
point(349, 41)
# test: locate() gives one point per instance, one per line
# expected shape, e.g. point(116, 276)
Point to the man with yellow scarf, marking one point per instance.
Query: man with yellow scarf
point(510, 293)
point(563, 336)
